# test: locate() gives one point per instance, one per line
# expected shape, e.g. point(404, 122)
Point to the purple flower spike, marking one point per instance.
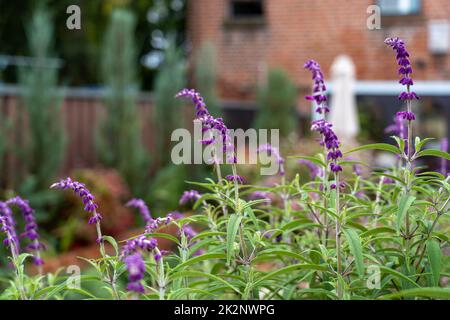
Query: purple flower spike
point(319, 87)
point(190, 195)
point(142, 207)
point(405, 70)
point(236, 178)
point(271, 150)
point(8, 226)
point(31, 227)
point(136, 269)
point(210, 124)
point(87, 198)
point(330, 141)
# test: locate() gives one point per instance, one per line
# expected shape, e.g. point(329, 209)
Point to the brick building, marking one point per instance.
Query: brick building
point(251, 36)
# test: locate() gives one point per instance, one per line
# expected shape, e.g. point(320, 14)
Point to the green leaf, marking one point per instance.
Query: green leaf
point(290, 269)
point(232, 229)
point(398, 275)
point(376, 231)
point(312, 159)
point(434, 258)
point(419, 144)
point(354, 244)
point(433, 153)
point(199, 258)
point(113, 242)
point(430, 292)
point(376, 146)
point(184, 274)
point(162, 235)
point(405, 203)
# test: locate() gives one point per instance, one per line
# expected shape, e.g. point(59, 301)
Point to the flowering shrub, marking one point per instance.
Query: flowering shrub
point(340, 235)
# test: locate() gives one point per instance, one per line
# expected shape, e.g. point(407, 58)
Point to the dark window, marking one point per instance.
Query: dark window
point(246, 9)
point(399, 7)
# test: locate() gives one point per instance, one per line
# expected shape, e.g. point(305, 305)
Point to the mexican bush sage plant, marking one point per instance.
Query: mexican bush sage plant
point(345, 230)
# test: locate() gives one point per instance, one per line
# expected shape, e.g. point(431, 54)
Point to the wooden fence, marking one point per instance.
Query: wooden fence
point(81, 112)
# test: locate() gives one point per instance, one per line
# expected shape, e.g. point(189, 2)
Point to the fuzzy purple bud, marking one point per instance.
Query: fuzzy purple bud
point(80, 190)
point(319, 87)
point(190, 195)
point(142, 207)
point(236, 178)
point(210, 124)
point(31, 227)
point(8, 226)
point(136, 269)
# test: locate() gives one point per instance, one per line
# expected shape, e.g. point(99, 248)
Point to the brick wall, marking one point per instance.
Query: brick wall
point(297, 30)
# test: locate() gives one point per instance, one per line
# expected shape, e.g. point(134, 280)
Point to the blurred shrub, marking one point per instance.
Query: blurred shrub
point(206, 77)
point(276, 100)
point(44, 145)
point(168, 115)
point(119, 139)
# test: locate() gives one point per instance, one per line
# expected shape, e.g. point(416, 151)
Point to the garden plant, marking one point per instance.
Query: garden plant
point(342, 233)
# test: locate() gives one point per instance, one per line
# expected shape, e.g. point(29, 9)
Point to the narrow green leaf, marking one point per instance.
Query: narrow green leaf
point(375, 231)
point(376, 146)
point(198, 274)
point(354, 244)
point(398, 275)
point(206, 256)
point(430, 292)
point(289, 269)
point(312, 159)
point(434, 258)
point(232, 229)
point(405, 203)
point(433, 153)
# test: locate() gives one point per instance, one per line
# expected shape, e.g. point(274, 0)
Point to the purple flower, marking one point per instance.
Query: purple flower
point(188, 231)
point(136, 269)
point(154, 224)
point(314, 170)
point(397, 128)
point(271, 150)
point(342, 185)
point(158, 255)
point(319, 87)
point(236, 178)
point(330, 141)
point(406, 115)
point(190, 195)
point(142, 207)
point(141, 242)
point(210, 124)
point(80, 190)
point(405, 70)
point(31, 227)
point(8, 226)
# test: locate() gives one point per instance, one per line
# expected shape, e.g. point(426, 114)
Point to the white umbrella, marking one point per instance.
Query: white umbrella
point(343, 114)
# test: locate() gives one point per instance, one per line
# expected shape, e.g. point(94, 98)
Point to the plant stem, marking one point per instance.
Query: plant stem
point(161, 277)
point(338, 238)
point(430, 231)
